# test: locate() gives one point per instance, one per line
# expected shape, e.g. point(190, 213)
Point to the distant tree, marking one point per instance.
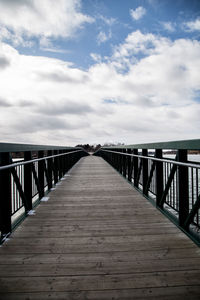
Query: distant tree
point(89, 148)
point(97, 147)
point(113, 144)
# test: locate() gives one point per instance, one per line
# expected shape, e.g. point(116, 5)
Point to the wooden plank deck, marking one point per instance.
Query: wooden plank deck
point(98, 238)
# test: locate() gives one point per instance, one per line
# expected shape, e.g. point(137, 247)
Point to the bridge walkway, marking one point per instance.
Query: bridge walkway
point(98, 238)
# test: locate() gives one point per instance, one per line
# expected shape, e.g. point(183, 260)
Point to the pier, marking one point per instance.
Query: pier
point(94, 236)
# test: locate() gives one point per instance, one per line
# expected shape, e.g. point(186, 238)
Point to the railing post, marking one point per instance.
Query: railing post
point(124, 159)
point(183, 195)
point(49, 169)
point(135, 166)
point(159, 176)
point(5, 199)
point(71, 160)
point(129, 165)
point(121, 161)
point(28, 181)
point(65, 162)
point(60, 159)
point(41, 173)
point(55, 169)
point(112, 160)
point(144, 172)
point(117, 160)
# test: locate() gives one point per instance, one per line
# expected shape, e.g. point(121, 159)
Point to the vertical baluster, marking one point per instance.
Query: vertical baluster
point(145, 171)
point(28, 181)
point(60, 164)
point(49, 169)
point(41, 173)
point(159, 176)
point(55, 169)
point(120, 161)
point(197, 193)
point(65, 162)
point(129, 165)
point(6, 197)
point(117, 160)
point(135, 165)
point(183, 196)
point(124, 159)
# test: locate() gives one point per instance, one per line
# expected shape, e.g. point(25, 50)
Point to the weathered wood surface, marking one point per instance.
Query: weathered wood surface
point(98, 238)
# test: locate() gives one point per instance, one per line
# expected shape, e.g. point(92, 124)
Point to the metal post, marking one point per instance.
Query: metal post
point(124, 159)
point(67, 161)
point(121, 161)
point(135, 165)
point(117, 160)
point(71, 158)
point(111, 159)
point(64, 162)
point(129, 165)
point(183, 185)
point(41, 174)
point(60, 164)
point(55, 170)
point(145, 171)
point(28, 181)
point(159, 176)
point(6, 198)
point(49, 169)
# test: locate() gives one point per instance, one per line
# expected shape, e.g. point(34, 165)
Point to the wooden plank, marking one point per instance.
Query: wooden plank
point(91, 257)
point(99, 282)
point(98, 267)
point(166, 293)
point(85, 248)
point(93, 241)
point(76, 231)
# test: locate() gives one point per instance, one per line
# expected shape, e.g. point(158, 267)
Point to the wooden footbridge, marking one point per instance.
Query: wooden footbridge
point(94, 236)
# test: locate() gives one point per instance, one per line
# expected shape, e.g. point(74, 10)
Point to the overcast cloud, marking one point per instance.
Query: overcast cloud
point(45, 19)
point(144, 91)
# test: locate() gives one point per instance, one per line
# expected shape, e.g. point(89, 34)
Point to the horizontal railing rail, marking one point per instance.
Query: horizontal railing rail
point(171, 184)
point(27, 174)
point(157, 159)
point(34, 160)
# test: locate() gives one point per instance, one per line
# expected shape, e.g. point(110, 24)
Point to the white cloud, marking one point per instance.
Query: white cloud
point(108, 21)
point(47, 45)
point(156, 98)
point(45, 42)
point(42, 19)
point(169, 26)
point(96, 57)
point(193, 25)
point(14, 38)
point(138, 13)
point(134, 43)
point(102, 37)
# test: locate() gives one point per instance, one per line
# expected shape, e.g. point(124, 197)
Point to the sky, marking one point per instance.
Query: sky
point(99, 71)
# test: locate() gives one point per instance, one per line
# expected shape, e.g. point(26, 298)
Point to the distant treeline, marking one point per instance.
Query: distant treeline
point(93, 148)
point(89, 148)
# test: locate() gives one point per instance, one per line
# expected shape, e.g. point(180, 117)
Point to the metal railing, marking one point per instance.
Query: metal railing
point(27, 174)
point(171, 184)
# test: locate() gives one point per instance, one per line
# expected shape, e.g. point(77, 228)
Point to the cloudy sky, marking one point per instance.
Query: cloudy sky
point(97, 71)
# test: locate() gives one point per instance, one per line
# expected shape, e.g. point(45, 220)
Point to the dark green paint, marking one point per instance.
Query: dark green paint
point(184, 144)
